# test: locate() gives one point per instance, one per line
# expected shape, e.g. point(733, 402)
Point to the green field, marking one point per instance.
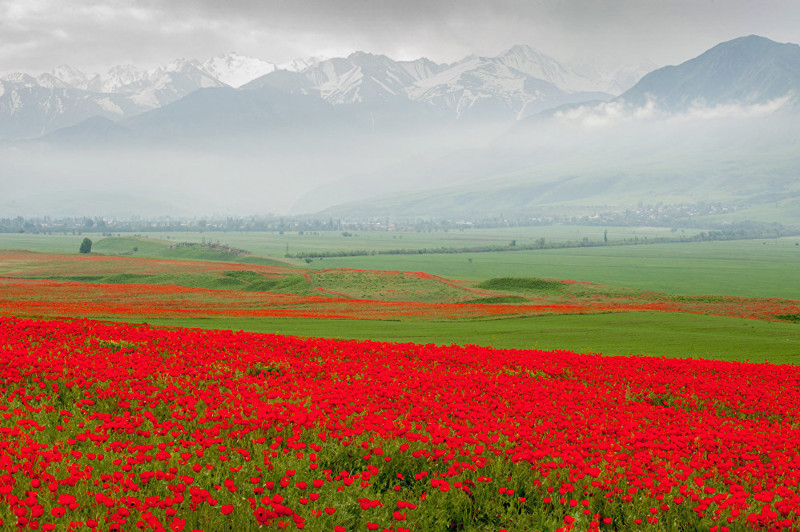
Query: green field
point(277, 244)
point(749, 268)
point(673, 335)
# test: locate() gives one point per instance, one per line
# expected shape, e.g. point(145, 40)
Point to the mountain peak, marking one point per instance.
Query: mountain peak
point(20, 77)
point(300, 64)
point(235, 69)
point(523, 50)
point(368, 59)
point(745, 70)
point(359, 53)
point(752, 46)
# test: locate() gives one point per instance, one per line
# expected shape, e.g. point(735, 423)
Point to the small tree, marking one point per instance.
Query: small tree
point(86, 246)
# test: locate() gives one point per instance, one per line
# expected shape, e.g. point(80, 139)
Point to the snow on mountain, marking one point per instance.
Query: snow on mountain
point(358, 78)
point(29, 109)
point(534, 63)
point(123, 78)
point(21, 79)
point(517, 83)
point(147, 89)
point(364, 77)
point(300, 64)
point(75, 78)
point(52, 82)
point(235, 70)
point(166, 84)
point(521, 80)
point(612, 79)
point(421, 68)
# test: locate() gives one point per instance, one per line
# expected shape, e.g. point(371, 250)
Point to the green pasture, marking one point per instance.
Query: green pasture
point(277, 244)
point(41, 243)
point(747, 268)
point(672, 335)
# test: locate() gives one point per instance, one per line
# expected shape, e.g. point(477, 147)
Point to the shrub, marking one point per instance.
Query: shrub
point(86, 246)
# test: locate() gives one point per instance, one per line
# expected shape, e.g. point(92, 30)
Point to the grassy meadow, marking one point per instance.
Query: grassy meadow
point(667, 334)
point(746, 268)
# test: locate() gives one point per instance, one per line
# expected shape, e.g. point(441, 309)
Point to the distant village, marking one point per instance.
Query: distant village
point(676, 217)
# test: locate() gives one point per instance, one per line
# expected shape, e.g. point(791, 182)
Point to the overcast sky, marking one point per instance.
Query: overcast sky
point(38, 35)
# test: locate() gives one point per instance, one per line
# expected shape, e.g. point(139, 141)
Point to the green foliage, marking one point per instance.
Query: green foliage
point(86, 246)
point(496, 300)
point(669, 334)
point(789, 317)
point(746, 268)
point(522, 284)
point(128, 245)
point(290, 284)
point(117, 345)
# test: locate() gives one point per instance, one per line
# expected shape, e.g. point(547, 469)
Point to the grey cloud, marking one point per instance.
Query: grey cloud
point(40, 34)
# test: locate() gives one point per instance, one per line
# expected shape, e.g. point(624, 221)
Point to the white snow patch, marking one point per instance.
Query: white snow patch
point(146, 99)
point(107, 105)
point(236, 70)
point(301, 64)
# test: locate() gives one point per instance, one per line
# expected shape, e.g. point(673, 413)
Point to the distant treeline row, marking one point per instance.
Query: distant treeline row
point(541, 243)
point(674, 216)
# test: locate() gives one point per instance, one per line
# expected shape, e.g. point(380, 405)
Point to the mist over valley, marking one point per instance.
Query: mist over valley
point(519, 134)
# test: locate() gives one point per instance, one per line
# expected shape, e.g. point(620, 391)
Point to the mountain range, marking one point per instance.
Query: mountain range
point(722, 127)
point(517, 83)
point(365, 135)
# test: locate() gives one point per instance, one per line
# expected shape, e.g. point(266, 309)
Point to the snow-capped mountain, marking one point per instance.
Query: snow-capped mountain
point(149, 88)
point(534, 63)
point(519, 82)
point(74, 78)
point(358, 78)
point(235, 69)
point(33, 106)
point(166, 84)
point(300, 64)
point(612, 79)
point(515, 84)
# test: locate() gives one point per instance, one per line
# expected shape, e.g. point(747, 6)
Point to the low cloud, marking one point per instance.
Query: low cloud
point(619, 112)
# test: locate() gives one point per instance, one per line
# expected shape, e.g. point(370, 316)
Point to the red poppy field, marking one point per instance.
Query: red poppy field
point(33, 284)
point(120, 427)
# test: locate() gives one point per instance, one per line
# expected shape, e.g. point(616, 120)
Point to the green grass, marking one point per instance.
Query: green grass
point(674, 335)
point(748, 268)
point(132, 246)
point(521, 284)
point(57, 243)
point(388, 286)
point(233, 280)
point(497, 300)
point(276, 245)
